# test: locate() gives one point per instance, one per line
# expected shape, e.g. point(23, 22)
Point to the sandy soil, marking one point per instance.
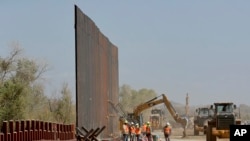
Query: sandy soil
point(177, 136)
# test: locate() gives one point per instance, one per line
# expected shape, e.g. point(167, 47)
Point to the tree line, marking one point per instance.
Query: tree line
point(22, 91)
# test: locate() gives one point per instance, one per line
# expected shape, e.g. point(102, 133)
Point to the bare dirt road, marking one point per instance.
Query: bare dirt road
point(177, 136)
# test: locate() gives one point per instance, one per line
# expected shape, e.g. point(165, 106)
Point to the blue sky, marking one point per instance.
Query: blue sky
point(173, 47)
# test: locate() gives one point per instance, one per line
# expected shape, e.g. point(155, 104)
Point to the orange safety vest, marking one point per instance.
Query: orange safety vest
point(167, 130)
point(148, 130)
point(125, 129)
point(132, 129)
point(138, 131)
point(144, 128)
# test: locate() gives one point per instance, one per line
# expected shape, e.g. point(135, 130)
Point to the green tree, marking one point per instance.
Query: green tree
point(130, 98)
point(19, 77)
point(37, 104)
point(63, 108)
point(11, 100)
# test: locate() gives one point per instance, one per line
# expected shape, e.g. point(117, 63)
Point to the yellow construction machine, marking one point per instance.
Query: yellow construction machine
point(224, 116)
point(156, 119)
point(201, 118)
point(136, 115)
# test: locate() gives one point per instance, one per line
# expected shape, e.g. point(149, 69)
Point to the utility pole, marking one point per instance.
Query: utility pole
point(187, 105)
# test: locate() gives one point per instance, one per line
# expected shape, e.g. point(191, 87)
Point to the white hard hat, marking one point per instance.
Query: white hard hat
point(168, 123)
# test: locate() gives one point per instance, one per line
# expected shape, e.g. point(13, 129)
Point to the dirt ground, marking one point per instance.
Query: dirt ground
point(177, 135)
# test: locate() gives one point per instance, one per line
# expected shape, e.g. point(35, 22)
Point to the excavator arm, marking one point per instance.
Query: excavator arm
point(156, 101)
point(147, 105)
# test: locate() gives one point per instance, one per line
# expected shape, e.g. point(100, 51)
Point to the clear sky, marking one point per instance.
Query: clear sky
point(173, 47)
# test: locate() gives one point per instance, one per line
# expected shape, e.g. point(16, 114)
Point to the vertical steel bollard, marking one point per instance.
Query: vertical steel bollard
point(72, 131)
point(62, 131)
point(54, 126)
point(33, 128)
point(46, 131)
point(23, 134)
point(28, 130)
point(18, 138)
point(66, 131)
point(1, 137)
point(5, 130)
point(50, 131)
point(11, 130)
point(58, 131)
point(42, 130)
point(38, 130)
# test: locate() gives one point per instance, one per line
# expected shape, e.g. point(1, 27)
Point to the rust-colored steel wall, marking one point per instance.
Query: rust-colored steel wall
point(96, 77)
point(35, 130)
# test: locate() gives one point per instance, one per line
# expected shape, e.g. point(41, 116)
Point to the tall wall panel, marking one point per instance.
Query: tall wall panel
point(96, 77)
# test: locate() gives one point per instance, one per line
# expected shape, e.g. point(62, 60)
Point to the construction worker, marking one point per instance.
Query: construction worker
point(125, 130)
point(167, 131)
point(143, 129)
point(148, 132)
point(137, 132)
point(132, 131)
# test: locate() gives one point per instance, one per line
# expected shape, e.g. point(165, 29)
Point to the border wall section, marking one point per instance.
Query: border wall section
point(96, 77)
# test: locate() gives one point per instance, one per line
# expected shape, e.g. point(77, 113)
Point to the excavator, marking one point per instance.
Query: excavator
point(136, 115)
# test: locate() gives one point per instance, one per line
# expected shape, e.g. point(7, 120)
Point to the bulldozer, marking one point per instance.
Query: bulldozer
point(201, 118)
point(224, 116)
